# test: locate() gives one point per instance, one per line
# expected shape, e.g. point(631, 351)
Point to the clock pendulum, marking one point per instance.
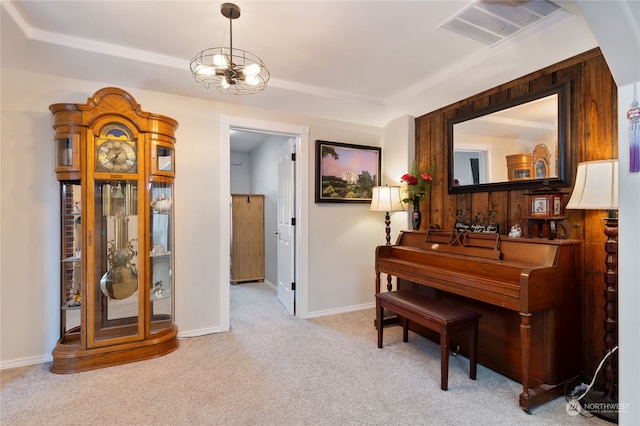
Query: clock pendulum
point(121, 279)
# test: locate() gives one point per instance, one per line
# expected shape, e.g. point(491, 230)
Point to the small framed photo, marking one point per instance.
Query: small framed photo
point(539, 206)
point(557, 206)
point(346, 173)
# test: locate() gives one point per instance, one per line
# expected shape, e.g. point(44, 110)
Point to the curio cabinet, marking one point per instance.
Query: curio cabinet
point(116, 168)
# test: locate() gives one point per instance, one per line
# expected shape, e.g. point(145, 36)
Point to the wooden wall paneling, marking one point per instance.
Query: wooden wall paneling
point(542, 82)
point(592, 135)
point(499, 96)
point(435, 155)
point(422, 155)
point(599, 136)
point(461, 202)
point(480, 204)
point(499, 203)
point(519, 90)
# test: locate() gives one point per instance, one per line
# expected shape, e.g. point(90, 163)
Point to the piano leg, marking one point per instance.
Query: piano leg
point(386, 319)
point(525, 343)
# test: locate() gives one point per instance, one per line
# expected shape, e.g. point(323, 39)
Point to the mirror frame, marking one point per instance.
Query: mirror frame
point(563, 179)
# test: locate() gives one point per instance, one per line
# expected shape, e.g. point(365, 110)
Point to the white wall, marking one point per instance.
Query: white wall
point(398, 151)
point(629, 268)
point(340, 236)
point(240, 172)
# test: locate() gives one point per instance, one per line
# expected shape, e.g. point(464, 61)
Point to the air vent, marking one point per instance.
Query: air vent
point(489, 21)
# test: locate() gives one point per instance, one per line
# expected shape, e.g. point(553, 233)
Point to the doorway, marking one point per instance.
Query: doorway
point(261, 165)
point(300, 135)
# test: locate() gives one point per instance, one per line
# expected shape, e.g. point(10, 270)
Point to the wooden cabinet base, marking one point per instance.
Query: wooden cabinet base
point(69, 357)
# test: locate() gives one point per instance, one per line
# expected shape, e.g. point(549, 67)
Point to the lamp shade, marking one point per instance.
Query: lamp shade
point(596, 186)
point(386, 199)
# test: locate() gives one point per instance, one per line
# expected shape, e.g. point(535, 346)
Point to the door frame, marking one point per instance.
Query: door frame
point(301, 134)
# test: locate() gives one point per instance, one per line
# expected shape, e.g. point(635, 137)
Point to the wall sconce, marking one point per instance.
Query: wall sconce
point(386, 199)
point(596, 188)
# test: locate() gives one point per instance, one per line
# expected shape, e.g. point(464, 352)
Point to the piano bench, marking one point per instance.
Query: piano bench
point(435, 315)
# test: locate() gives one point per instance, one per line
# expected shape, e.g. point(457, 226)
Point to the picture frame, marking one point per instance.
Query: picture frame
point(539, 206)
point(557, 206)
point(546, 205)
point(346, 173)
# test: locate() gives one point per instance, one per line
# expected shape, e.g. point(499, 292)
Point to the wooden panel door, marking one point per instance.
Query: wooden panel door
point(247, 237)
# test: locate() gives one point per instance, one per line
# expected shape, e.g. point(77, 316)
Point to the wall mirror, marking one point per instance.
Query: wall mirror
point(519, 144)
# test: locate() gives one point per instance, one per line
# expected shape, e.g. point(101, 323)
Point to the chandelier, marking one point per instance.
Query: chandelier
point(229, 70)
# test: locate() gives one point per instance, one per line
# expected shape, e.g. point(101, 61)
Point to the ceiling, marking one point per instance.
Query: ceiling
point(362, 62)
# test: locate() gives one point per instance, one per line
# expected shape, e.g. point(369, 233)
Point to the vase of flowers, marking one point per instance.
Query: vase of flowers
point(418, 187)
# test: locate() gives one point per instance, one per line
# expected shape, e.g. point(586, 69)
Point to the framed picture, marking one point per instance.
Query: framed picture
point(557, 206)
point(539, 206)
point(346, 173)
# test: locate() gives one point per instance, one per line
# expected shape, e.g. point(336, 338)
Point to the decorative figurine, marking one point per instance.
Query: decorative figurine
point(516, 231)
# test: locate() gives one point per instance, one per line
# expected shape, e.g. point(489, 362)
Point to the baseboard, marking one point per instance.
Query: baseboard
point(343, 310)
point(24, 362)
point(200, 332)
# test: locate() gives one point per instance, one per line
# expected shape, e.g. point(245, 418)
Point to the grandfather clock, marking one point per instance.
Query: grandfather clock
point(116, 168)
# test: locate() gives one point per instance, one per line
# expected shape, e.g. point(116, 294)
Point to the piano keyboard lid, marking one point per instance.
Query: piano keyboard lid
point(485, 245)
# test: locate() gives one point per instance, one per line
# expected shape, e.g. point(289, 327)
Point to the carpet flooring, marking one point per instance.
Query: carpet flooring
point(277, 369)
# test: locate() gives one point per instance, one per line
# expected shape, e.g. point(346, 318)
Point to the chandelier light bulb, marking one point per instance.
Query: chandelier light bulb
point(220, 61)
point(252, 80)
point(251, 70)
point(204, 70)
point(224, 83)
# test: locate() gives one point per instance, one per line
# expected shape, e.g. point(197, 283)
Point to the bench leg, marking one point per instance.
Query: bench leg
point(379, 315)
point(405, 330)
point(444, 358)
point(473, 349)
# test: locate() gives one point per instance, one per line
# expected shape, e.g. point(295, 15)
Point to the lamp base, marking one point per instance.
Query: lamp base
point(601, 405)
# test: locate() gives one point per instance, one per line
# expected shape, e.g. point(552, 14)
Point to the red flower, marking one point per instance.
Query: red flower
point(410, 179)
point(418, 184)
point(426, 176)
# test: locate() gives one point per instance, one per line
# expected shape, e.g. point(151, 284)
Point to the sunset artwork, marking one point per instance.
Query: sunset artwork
point(346, 173)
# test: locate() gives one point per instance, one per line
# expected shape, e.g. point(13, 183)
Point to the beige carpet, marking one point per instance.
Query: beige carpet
point(275, 369)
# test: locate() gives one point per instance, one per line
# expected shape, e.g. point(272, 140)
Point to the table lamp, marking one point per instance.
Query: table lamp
point(386, 199)
point(596, 188)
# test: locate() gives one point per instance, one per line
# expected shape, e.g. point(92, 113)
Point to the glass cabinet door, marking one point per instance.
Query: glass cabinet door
point(71, 258)
point(114, 308)
point(161, 256)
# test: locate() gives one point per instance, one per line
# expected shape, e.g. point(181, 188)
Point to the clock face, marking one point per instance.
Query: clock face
point(116, 156)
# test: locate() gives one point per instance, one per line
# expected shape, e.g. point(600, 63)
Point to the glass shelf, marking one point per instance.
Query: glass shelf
point(72, 259)
point(68, 307)
point(161, 255)
point(165, 295)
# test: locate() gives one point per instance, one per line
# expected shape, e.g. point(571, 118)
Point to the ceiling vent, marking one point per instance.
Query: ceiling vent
point(490, 21)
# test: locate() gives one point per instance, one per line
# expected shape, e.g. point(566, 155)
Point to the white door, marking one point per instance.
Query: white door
point(286, 228)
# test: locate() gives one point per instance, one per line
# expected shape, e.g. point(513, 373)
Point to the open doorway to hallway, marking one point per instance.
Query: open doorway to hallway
point(254, 178)
point(300, 135)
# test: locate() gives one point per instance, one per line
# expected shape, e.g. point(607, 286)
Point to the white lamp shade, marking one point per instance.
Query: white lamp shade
point(386, 199)
point(596, 186)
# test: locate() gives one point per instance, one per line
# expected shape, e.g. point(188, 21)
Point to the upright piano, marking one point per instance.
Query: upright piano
point(526, 289)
